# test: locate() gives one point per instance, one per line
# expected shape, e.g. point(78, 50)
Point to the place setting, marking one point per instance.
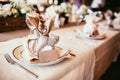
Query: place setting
point(39, 47)
point(91, 29)
point(112, 23)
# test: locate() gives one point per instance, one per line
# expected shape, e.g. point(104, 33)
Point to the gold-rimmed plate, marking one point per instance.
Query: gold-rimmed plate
point(18, 51)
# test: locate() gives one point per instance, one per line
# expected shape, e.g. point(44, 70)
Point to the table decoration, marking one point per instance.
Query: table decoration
point(12, 15)
point(39, 46)
point(63, 10)
point(112, 23)
point(116, 21)
point(98, 16)
point(108, 17)
point(50, 11)
point(80, 13)
point(90, 29)
point(14, 8)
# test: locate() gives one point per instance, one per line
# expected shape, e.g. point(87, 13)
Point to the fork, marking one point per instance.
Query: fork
point(10, 60)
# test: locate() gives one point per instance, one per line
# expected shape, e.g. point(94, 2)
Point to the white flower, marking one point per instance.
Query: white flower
point(7, 10)
point(32, 2)
point(19, 3)
point(58, 9)
point(63, 6)
point(74, 9)
point(23, 11)
point(7, 7)
point(50, 11)
point(82, 10)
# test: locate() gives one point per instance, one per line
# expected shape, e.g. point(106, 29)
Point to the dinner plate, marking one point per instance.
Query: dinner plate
point(17, 54)
point(99, 37)
point(82, 35)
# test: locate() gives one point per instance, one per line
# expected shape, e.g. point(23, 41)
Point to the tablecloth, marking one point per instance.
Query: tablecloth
point(80, 67)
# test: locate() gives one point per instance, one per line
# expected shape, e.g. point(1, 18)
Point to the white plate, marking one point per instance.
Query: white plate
point(82, 35)
point(99, 37)
point(17, 52)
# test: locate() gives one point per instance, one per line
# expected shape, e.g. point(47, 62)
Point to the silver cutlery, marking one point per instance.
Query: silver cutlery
point(10, 60)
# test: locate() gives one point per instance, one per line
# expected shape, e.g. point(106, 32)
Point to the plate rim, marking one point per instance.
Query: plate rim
point(81, 35)
point(37, 64)
point(100, 37)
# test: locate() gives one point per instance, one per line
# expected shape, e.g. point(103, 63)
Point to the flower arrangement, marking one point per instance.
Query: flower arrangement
point(82, 10)
point(63, 8)
point(14, 8)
